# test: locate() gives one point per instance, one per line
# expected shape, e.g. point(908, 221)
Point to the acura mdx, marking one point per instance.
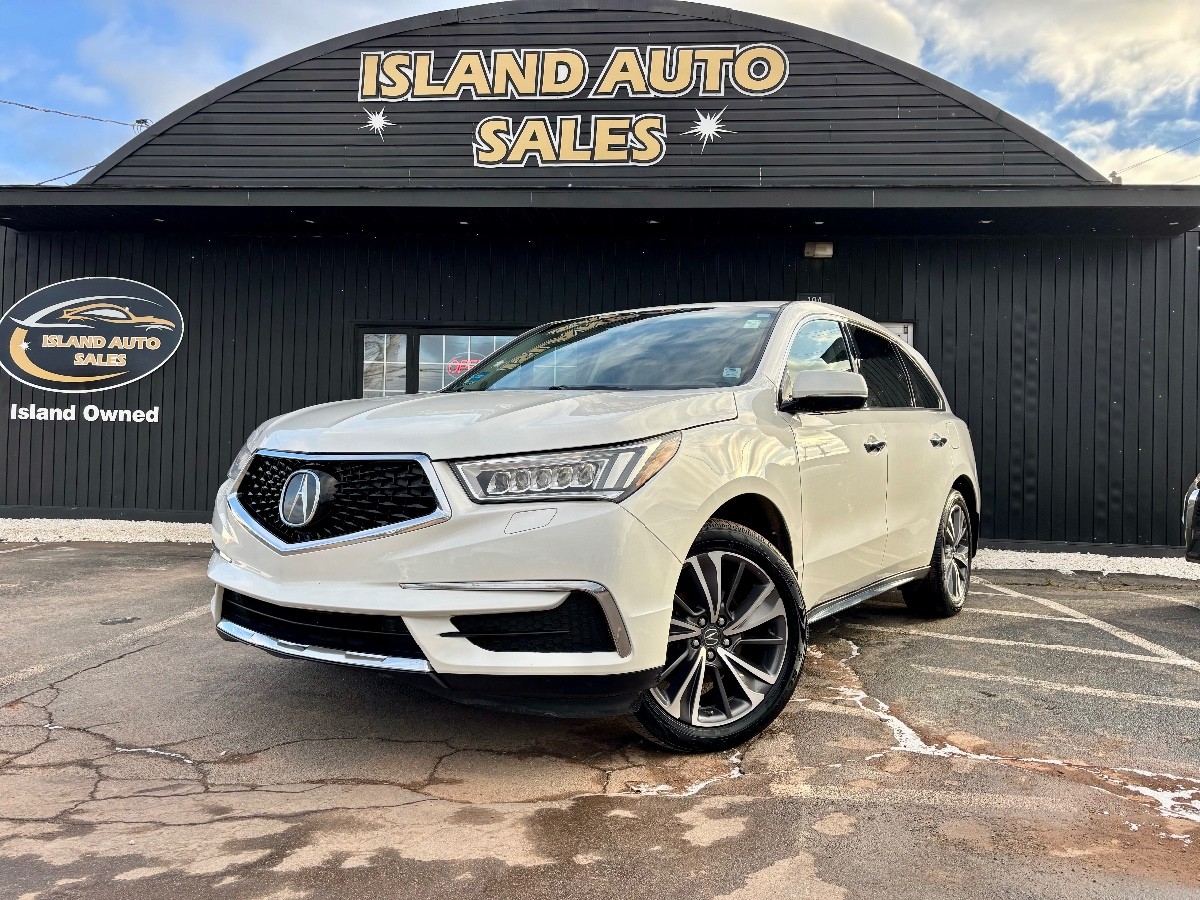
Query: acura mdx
point(636, 513)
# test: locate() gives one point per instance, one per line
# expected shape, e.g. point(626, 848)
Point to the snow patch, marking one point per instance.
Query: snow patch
point(178, 756)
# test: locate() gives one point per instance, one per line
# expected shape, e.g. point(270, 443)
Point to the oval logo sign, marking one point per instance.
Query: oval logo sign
point(89, 334)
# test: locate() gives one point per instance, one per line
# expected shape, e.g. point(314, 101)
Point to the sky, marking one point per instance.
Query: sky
point(1116, 81)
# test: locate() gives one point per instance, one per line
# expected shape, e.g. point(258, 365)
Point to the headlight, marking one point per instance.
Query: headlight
point(238, 466)
point(601, 473)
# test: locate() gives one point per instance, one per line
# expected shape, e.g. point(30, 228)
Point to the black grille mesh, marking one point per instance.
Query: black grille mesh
point(370, 493)
point(577, 625)
point(383, 635)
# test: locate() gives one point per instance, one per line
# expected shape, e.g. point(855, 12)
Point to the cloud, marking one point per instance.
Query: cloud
point(1094, 141)
point(878, 24)
point(155, 76)
point(80, 92)
point(1136, 57)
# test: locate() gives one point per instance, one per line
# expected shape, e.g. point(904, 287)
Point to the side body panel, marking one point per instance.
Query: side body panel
point(844, 489)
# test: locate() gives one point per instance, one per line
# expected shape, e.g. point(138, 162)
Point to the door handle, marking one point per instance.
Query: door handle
point(938, 441)
point(874, 446)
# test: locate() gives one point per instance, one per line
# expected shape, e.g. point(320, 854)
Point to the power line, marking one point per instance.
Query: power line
point(1189, 178)
point(138, 124)
point(68, 175)
point(1158, 156)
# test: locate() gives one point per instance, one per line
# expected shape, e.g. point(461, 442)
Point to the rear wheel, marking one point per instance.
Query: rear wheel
point(944, 590)
point(735, 647)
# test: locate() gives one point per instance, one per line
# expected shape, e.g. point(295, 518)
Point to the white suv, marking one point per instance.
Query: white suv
point(639, 511)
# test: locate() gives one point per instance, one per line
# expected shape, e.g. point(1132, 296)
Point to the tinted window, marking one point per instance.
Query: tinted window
point(925, 393)
point(819, 345)
point(882, 367)
point(647, 350)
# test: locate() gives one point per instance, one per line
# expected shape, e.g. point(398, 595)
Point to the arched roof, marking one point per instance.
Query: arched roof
point(847, 115)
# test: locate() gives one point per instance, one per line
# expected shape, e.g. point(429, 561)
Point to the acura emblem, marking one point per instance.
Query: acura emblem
point(300, 497)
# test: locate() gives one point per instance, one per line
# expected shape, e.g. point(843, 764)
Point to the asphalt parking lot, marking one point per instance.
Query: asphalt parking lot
point(1046, 742)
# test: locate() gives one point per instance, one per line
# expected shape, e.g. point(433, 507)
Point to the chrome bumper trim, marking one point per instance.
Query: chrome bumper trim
point(612, 613)
point(323, 654)
point(439, 515)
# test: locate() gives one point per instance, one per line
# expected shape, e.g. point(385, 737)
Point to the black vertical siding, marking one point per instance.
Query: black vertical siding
point(1072, 359)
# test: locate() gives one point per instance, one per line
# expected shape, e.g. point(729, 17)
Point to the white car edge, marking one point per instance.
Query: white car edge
point(594, 551)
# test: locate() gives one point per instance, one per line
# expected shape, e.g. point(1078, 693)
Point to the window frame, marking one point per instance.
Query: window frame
point(898, 345)
point(842, 323)
point(910, 362)
point(412, 336)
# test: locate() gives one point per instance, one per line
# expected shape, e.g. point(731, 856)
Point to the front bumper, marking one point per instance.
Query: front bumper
point(483, 559)
point(1191, 522)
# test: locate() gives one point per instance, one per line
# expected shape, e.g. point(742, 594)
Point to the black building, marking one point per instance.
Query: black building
point(372, 214)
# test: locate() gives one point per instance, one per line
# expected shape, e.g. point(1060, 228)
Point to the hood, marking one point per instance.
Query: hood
point(492, 423)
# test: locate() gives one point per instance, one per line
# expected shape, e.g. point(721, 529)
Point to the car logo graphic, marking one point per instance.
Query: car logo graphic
point(299, 498)
point(109, 312)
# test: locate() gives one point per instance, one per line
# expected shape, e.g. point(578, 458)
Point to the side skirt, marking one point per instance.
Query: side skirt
point(835, 605)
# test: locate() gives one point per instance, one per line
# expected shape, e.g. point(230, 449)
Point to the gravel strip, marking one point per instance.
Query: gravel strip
point(1069, 563)
point(65, 530)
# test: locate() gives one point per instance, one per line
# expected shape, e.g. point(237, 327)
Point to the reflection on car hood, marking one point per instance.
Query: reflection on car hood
point(489, 423)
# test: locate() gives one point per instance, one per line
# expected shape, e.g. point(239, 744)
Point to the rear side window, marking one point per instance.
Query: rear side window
point(924, 392)
point(881, 365)
point(819, 345)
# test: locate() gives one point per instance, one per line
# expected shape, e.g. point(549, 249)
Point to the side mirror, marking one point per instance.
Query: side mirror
point(825, 392)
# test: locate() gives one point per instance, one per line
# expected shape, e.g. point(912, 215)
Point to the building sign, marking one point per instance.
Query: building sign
point(705, 72)
point(460, 365)
point(89, 334)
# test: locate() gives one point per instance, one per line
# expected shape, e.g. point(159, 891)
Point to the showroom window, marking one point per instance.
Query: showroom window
point(409, 361)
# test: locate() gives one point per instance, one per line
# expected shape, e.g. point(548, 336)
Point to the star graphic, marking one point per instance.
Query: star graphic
point(709, 127)
point(377, 122)
point(24, 345)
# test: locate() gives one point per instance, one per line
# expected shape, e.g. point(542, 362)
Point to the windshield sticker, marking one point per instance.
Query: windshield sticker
point(732, 372)
point(476, 376)
point(752, 323)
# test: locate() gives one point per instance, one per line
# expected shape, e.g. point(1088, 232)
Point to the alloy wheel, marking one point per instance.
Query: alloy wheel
point(956, 554)
point(728, 641)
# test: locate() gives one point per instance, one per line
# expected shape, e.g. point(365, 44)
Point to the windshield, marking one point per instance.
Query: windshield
point(666, 349)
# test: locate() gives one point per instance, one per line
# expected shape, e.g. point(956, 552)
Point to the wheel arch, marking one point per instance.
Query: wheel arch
point(965, 486)
point(758, 513)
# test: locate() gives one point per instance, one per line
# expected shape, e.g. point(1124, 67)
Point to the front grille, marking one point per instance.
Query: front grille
point(577, 625)
point(361, 633)
point(369, 493)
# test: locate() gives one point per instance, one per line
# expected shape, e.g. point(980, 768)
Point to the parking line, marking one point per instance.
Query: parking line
point(19, 549)
point(1127, 636)
point(131, 637)
point(1194, 604)
point(1066, 688)
point(1023, 615)
point(1091, 651)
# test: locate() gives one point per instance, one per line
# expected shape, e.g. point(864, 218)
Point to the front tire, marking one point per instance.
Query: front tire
point(943, 591)
point(735, 648)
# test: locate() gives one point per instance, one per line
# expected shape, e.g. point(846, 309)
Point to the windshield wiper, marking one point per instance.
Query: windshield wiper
point(591, 387)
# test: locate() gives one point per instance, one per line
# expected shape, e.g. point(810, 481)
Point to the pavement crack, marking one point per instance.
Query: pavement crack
point(1174, 796)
